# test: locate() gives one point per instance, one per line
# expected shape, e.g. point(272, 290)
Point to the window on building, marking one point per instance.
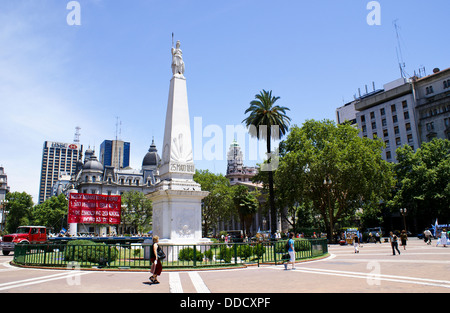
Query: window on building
point(385, 133)
point(372, 115)
point(394, 119)
point(410, 138)
point(393, 109)
point(363, 118)
point(388, 155)
point(406, 115)
point(374, 125)
point(364, 128)
point(404, 104)
point(408, 126)
point(430, 136)
point(396, 130)
point(386, 142)
point(382, 111)
point(398, 141)
point(383, 122)
point(447, 122)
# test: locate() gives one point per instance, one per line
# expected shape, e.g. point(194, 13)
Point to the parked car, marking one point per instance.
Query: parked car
point(24, 235)
point(236, 235)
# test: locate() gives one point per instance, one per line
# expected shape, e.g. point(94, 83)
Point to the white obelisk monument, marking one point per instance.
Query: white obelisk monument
point(177, 213)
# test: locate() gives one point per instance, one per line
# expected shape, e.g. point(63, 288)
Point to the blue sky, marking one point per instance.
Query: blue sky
point(313, 54)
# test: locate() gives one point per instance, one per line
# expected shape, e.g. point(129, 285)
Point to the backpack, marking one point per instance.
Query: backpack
point(287, 246)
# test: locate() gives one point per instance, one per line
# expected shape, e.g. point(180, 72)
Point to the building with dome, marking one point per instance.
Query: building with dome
point(237, 173)
point(93, 177)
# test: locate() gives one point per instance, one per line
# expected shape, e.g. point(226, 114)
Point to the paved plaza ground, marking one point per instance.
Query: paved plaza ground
point(420, 268)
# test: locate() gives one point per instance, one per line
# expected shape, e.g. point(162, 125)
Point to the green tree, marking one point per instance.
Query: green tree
point(424, 181)
point(19, 206)
point(334, 168)
point(51, 213)
point(136, 211)
point(268, 121)
point(217, 205)
point(246, 204)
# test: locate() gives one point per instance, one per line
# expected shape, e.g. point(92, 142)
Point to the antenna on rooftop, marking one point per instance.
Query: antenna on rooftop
point(76, 139)
point(118, 128)
point(398, 50)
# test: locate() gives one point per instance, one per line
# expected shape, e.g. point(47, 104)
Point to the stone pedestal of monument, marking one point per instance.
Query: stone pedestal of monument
point(177, 212)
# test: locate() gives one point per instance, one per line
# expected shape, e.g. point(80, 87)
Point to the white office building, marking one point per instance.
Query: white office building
point(406, 111)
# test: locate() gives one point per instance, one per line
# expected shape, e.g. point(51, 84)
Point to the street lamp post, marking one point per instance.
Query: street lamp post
point(3, 203)
point(403, 212)
point(327, 183)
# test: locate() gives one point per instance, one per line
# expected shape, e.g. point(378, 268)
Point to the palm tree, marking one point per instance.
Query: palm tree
point(267, 118)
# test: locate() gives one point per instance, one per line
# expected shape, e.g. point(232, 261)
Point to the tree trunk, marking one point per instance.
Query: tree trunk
point(273, 211)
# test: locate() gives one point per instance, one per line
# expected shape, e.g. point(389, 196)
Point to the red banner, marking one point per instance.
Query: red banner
point(94, 209)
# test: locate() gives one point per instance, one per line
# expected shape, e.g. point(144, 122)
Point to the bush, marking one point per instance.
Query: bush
point(187, 254)
point(299, 245)
point(259, 250)
point(209, 254)
point(244, 251)
point(89, 251)
point(302, 245)
point(225, 254)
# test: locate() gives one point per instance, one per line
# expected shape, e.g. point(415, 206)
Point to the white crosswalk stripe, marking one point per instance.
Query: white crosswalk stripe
point(175, 283)
point(177, 287)
point(198, 282)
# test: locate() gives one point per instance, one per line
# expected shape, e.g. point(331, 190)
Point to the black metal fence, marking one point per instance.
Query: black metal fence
point(137, 255)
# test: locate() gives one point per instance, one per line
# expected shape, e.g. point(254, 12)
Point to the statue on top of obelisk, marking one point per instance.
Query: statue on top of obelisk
point(177, 60)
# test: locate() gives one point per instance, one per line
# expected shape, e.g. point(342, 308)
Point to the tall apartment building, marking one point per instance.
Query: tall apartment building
point(406, 111)
point(115, 153)
point(432, 95)
point(4, 188)
point(389, 115)
point(57, 158)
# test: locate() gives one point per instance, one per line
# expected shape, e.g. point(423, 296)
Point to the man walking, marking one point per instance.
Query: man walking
point(427, 234)
point(394, 243)
point(291, 251)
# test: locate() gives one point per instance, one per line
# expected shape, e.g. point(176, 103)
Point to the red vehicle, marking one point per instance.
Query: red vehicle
point(24, 234)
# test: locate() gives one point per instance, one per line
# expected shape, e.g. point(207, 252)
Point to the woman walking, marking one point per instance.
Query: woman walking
point(444, 238)
point(404, 238)
point(156, 262)
point(356, 243)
